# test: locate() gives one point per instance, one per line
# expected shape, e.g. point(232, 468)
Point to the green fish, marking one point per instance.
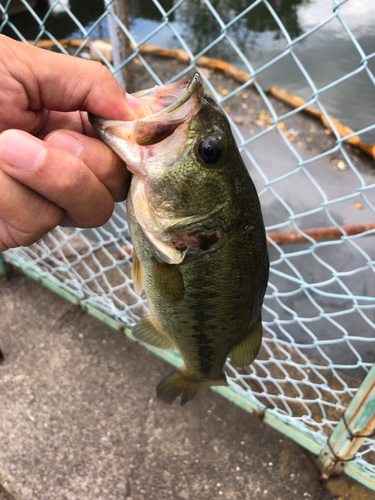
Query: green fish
point(200, 249)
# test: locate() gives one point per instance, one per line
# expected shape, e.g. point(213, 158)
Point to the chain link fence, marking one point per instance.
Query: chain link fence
point(296, 79)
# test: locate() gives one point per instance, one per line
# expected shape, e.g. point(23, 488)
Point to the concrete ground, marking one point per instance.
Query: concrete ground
point(79, 420)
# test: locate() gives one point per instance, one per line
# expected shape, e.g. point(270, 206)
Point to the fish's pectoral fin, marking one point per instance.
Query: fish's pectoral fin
point(137, 274)
point(146, 331)
point(244, 353)
point(179, 383)
point(168, 280)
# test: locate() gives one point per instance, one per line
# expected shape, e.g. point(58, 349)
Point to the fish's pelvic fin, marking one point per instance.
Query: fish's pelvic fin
point(146, 331)
point(244, 353)
point(179, 383)
point(137, 274)
point(168, 280)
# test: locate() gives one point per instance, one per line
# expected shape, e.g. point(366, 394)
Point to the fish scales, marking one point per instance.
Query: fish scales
point(199, 241)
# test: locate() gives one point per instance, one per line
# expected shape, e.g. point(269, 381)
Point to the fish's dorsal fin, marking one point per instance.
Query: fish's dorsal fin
point(244, 353)
point(146, 331)
point(137, 274)
point(168, 280)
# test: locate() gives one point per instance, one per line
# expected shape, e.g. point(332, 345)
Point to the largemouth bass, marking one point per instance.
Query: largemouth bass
point(200, 249)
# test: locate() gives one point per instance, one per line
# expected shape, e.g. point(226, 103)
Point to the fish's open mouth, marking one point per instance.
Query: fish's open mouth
point(164, 109)
point(170, 97)
point(161, 133)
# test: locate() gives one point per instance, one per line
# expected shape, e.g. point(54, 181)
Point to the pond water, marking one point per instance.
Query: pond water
point(327, 55)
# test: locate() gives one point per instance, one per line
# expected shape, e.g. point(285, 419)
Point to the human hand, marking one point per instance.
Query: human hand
point(53, 171)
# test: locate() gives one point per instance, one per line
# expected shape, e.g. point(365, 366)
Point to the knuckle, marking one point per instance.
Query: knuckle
point(106, 171)
point(105, 212)
point(122, 192)
point(6, 238)
point(84, 197)
point(104, 70)
point(48, 218)
point(109, 176)
point(101, 69)
point(23, 239)
point(115, 176)
point(72, 177)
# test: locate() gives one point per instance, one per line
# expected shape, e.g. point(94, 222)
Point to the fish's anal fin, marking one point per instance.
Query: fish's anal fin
point(146, 331)
point(244, 353)
point(137, 274)
point(168, 280)
point(179, 383)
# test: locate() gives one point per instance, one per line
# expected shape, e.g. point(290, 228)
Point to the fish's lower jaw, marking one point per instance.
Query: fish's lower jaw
point(179, 382)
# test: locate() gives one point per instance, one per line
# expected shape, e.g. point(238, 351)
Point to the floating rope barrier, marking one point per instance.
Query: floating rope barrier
point(230, 71)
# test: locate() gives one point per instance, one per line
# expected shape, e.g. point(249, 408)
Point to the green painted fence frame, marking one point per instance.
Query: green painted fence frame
point(4, 267)
point(336, 456)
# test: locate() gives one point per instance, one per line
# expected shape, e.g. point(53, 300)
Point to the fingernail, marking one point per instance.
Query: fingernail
point(20, 150)
point(66, 142)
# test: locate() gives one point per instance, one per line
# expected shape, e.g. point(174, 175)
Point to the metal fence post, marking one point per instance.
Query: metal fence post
point(120, 42)
point(4, 267)
point(356, 424)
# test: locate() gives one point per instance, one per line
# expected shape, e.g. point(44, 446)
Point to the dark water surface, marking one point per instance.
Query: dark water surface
point(327, 55)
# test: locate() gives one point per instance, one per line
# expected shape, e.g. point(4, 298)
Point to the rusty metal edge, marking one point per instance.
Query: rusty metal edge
point(358, 472)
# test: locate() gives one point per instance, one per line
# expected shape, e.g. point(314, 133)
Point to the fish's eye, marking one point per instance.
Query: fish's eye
point(210, 150)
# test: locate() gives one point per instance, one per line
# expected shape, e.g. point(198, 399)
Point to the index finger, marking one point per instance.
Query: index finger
point(65, 83)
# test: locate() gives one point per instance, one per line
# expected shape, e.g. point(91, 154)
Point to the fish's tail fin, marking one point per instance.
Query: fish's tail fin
point(179, 382)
